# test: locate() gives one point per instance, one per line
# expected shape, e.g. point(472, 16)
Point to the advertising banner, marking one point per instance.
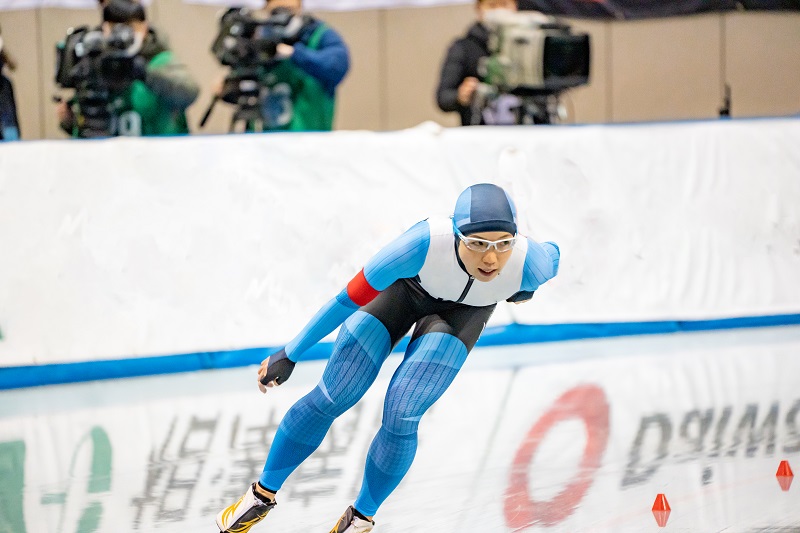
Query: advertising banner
point(602, 9)
point(309, 5)
point(641, 9)
point(582, 436)
point(8, 5)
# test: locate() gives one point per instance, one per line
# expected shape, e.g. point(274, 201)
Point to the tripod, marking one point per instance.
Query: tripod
point(522, 106)
point(248, 115)
point(245, 93)
point(538, 109)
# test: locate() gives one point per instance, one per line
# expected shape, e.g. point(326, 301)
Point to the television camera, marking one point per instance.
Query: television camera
point(97, 66)
point(534, 57)
point(248, 45)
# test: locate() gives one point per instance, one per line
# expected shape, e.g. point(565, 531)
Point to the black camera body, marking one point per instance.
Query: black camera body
point(248, 44)
point(87, 56)
point(246, 41)
point(97, 66)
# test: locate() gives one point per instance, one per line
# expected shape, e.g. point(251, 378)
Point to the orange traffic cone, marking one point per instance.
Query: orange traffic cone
point(661, 510)
point(784, 475)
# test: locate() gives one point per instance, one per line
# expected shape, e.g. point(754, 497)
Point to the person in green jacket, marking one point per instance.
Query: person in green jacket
point(153, 102)
point(298, 86)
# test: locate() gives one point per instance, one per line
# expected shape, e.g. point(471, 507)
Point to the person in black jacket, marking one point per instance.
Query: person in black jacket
point(460, 78)
point(9, 124)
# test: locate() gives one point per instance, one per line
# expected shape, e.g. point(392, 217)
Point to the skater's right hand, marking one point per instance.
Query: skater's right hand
point(274, 370)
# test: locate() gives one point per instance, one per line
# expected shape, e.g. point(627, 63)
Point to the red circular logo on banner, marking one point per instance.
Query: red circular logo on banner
point(586, 402)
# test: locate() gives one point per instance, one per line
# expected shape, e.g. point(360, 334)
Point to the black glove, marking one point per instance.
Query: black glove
point(521, 296)
point(279, 368)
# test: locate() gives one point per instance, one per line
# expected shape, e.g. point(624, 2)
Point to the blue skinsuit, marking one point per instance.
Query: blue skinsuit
point(417, 279)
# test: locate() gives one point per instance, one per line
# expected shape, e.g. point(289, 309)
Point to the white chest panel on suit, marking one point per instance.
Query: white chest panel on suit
point(442, 277)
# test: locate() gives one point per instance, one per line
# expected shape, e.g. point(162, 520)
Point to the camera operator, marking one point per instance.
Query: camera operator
point(9, 125)
point(460, 77)
point(127, 81)
point(297, 77)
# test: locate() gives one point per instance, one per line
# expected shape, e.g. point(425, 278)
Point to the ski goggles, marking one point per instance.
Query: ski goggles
point(482, 245)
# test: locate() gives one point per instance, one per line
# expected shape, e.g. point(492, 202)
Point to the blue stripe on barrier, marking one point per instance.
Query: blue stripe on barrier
point(28, 376)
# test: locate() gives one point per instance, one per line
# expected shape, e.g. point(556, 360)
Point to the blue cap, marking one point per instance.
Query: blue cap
point(485, 207)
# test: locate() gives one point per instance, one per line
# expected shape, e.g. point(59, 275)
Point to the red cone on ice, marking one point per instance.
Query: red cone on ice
point(661, 510)
point(785, 475)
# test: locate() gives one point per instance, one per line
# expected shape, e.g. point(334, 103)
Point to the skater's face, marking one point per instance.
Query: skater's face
point(486, 265)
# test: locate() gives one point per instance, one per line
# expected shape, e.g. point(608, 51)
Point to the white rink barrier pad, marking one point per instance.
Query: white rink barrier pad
point(131, 248)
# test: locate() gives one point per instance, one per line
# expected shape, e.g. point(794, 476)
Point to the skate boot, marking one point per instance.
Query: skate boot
point(352, 522)
point(245, 513)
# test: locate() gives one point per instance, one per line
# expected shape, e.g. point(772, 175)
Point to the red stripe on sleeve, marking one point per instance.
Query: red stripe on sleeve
point(360, 291)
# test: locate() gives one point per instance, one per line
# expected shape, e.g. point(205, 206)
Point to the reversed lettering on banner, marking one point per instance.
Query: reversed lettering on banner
point(708, 433)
